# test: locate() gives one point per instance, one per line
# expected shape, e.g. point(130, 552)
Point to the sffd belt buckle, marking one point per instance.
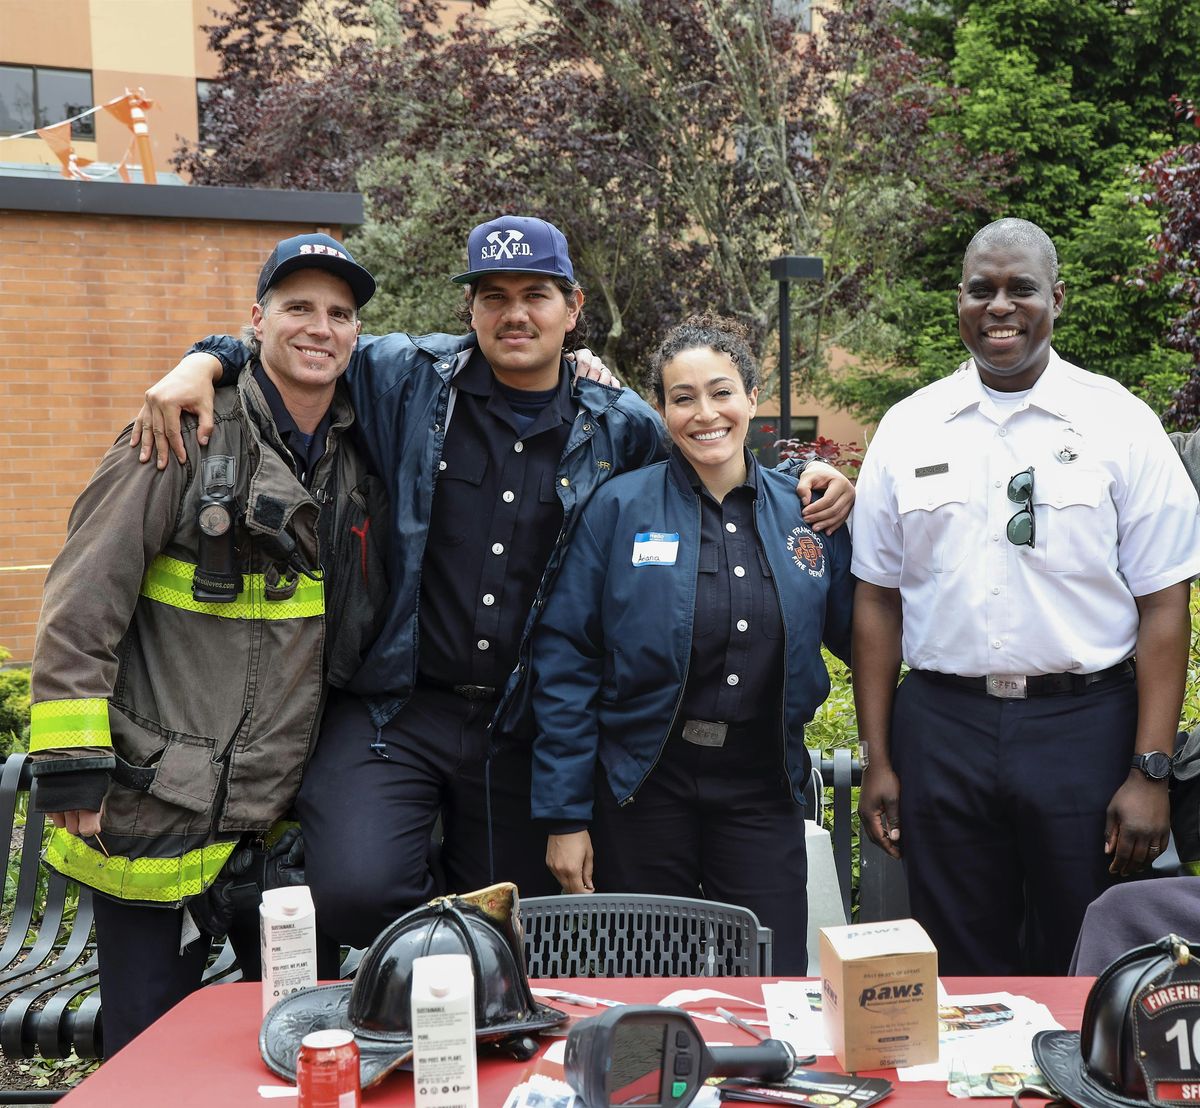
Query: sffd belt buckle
point(703, 732)
point(1007, 686)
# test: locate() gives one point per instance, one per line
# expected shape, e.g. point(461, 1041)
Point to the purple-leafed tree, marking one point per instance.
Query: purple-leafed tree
point(1172, 189)
point(680, 144)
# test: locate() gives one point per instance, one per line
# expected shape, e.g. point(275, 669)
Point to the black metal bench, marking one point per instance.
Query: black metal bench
point(49, 995)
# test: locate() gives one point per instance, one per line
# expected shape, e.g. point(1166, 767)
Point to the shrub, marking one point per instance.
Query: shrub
point(14, 707)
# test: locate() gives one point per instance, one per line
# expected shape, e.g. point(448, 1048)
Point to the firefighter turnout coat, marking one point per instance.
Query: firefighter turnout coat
point(203, 713)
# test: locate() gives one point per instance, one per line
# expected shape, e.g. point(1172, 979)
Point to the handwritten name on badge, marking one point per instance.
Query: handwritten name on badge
point(655, 548)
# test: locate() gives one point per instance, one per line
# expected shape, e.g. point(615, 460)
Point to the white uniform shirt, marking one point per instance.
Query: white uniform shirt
point(1120, 519)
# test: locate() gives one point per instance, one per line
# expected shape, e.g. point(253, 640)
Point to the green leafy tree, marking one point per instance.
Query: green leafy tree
point(1072, 95)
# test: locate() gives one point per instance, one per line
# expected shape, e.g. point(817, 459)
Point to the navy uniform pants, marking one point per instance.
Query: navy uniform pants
point(143, 973)
point(369, 802)
point(1002, 817)
point(717, 823)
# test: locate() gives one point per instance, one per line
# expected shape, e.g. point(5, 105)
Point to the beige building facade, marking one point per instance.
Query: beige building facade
point(56, 49)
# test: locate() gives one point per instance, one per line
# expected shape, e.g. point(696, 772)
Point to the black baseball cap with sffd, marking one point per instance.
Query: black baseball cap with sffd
point(315, 252)
point(516, 244)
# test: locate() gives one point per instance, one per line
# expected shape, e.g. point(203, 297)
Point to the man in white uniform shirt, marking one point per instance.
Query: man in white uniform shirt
point(1023, 529)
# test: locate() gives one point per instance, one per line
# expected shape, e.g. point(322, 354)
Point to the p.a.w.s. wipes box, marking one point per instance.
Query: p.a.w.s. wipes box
point(879, 986)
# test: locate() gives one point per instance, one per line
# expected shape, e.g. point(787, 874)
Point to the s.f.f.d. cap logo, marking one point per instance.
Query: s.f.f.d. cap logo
point(517, 244)
point(506, 244)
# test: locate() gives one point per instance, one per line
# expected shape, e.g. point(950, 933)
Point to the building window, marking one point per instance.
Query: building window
point(37, 96)
point(764, 433)
point(798, 12)
point(205, 91)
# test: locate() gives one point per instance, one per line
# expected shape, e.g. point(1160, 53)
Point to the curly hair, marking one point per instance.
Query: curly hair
point(726, 336)
point(574, 338)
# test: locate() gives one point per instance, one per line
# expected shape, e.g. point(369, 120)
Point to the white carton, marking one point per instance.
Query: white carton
point(288, 924)
point(443, 1026)
point(879, 994)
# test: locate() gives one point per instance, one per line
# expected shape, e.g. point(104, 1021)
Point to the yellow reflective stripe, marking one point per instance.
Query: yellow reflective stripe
point(59, 723)
point(1193, 868)
point(158, 880)
point(169, 581)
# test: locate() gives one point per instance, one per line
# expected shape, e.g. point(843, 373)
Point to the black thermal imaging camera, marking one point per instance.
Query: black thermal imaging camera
point(641, 1054)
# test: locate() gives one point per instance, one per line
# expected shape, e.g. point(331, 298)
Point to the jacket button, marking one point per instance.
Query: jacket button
point(564, 482)
point(587, 426)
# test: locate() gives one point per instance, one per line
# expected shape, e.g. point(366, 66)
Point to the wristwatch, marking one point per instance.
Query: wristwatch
point(1156, 765)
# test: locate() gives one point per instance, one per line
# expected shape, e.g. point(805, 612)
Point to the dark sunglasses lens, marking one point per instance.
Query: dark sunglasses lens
point(1020, 488)
point(1020, 529)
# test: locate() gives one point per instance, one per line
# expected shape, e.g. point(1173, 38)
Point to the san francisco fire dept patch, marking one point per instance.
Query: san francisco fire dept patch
point(807, 551)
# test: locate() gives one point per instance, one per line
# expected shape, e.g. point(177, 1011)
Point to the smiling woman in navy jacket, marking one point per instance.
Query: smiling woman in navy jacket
point(678, 661)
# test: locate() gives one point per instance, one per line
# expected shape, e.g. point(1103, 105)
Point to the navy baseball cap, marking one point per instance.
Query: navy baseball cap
point(315, 252)
point(516, 244)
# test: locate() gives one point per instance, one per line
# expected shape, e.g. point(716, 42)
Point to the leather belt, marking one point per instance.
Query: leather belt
point(1016, 686)
point(467, 692)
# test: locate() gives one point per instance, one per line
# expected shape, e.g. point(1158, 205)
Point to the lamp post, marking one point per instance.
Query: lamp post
point(791, 267)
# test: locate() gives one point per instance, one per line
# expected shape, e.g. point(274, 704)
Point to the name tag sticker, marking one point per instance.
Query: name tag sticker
point(930, 471)
point(655, 548)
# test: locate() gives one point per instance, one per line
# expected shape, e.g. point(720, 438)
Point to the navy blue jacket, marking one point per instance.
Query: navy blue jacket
point(611, 652)
point(401, 389)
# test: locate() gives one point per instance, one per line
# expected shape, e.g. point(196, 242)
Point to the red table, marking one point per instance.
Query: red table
point(204, 1053)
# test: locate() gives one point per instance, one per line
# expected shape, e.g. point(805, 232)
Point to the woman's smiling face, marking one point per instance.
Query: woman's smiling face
point(707, 410)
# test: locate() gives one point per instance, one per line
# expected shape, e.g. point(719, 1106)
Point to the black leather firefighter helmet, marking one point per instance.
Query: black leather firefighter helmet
point(1136, 1045)
point(377, 1006)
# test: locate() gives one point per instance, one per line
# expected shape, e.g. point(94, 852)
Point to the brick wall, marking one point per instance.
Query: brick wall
point(93, 308)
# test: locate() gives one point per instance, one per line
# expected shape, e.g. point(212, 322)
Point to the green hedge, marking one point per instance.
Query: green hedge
point(14, 707)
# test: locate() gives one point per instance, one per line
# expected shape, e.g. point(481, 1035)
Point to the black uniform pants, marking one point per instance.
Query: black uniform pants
point(718, 823)
point(143, 972)
point(368, 814)
point(1002, 817)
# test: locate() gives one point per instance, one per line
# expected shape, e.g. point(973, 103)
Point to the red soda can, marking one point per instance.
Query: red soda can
point(327, 1070)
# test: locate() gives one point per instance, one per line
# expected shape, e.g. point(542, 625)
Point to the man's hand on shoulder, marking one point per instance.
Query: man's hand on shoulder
point(188, 387)
point(830, 510)
point(589, 366)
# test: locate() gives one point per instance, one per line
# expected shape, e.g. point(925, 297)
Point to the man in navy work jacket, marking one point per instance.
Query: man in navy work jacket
point(490, 447)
